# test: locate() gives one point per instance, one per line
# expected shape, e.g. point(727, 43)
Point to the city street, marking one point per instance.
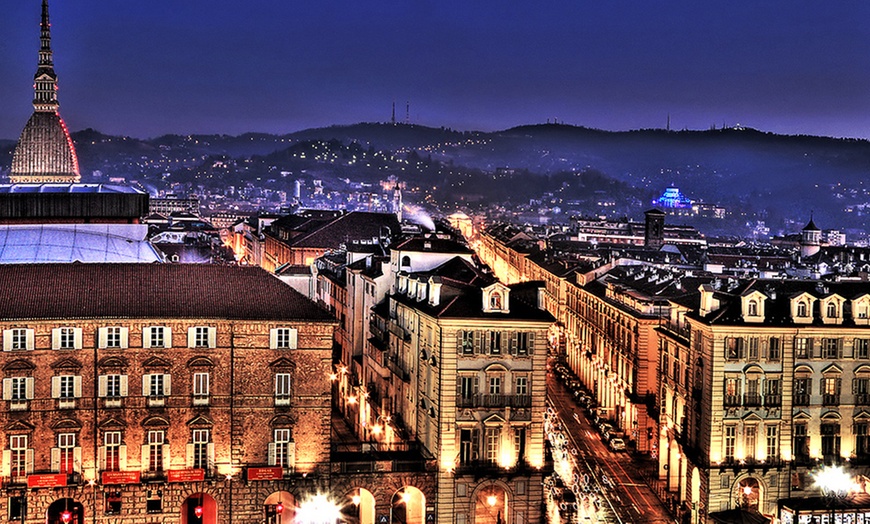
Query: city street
point(614, 479)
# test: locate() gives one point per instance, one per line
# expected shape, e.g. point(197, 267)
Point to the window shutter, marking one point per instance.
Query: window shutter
point(29, 336)
point(146, 385)
point(7, 463)
point(513, 344)
point(484, 346)
point(291, 454)
point(101, 453)
point(125, 338)
point(102, 385)
point(103, 337)
point(7, 389)
point(55, 338)
point(531, 348)
point(212, 337)
point(475, 444)
point(146, 338)
point(191, 337)
point(77, 386)
point(167, 337)
point(294, 338)
point(7, 340)
point(55, 459)
point(167, 459)
point(77, 459)
point(477, 341)
point(146, 455)
point(271, 454)
point(167, 384)
point(840, 348)
point(273, 339)
point(854, 386)
point(188, 459)
point(476, 386)
point(122, 457)
point(123, 385)
point(209, 451)
point(28, 461)
point(77, 338)
point(28, 388)
point(55, 387)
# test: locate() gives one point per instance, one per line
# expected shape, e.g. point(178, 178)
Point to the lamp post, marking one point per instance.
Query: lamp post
point(836, 486)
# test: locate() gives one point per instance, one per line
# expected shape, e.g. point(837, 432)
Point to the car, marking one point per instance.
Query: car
point(617, 444)
point(604, 427)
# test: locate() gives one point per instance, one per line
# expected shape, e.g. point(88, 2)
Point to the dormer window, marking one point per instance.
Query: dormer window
point(495, 300)
point(802, 310)
point(832, 310)
point(752, 308)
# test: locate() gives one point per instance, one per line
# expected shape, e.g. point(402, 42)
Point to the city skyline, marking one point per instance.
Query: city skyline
point(790, 68)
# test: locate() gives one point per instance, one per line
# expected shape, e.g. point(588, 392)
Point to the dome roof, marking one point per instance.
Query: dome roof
point(45, 152)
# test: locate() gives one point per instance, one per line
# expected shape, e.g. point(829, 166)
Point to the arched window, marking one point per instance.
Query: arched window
point(832, 310)
point(752, 308)
point(495, 300)
point(406, 261)
point(802, 309)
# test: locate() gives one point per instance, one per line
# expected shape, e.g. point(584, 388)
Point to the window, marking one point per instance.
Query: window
point(772, 436)
point(493, 439)
point(155, 449)
point(466, 342)
point(200, 389)
point(154, 500)
point(830, 440)
point(802, 309)
point(201, 448)
point(495, 342)
point(21, 458)
point(495, 300)
point(752, 308)
point(282, 449)
point(66, 338)
point(774, 352)
point(801, 442)
point(282, 338)
point(830, 391)
point(467, 388)
point(772, 392)
point(18, 390)
point(64, 456)
point(17, 507)
point(18, 339)
point(730, 439)
point(201, 337)
point(113, 503)
point(832, 310)
point(830, 348)
point(752, 397)
point(156, 337)
point(753, 348)
point(862, 348)
point(861, 390)
point(521, 386)
point(495, 385)
point(750, 441)
point(112, 451)
point(156, 387)
point(732, 391)
point(803, 348)
point(112, 388)
point(734, 348)
point(66, 389)
point(862, 439)
point(802, 391)
point(112, 337)
point(282, 389)
point(520, 444)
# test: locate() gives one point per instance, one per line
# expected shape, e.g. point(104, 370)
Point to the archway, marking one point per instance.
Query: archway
point(695, 497)
point(199, 508)
point(279, 508)
point(408, 506)
point(673, 466)
point(359, 507)
point(491, 505)
point(748, 494)
point(66, 511)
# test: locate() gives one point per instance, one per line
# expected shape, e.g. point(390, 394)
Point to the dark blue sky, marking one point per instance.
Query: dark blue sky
point(228, 66)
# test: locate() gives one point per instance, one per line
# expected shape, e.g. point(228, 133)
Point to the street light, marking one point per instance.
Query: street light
point(836, 485)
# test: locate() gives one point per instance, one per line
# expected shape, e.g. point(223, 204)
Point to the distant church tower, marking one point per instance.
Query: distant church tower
point(811, 239)
point(45, 152)
point(654, 232)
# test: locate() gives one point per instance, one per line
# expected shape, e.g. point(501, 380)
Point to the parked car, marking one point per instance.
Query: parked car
point(617, 444)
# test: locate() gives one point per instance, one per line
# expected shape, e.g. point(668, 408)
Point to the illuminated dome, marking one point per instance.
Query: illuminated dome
point(45, 151)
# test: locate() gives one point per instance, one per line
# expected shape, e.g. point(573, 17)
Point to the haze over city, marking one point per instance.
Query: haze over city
point(145, 69)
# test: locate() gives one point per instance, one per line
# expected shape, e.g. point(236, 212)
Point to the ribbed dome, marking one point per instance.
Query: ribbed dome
point(45, 152)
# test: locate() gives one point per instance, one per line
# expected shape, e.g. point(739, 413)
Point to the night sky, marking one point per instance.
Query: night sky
point(145, 68)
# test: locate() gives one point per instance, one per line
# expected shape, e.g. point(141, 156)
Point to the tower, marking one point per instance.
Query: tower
point(811, 239)
point(654, 233)
point(45, 152)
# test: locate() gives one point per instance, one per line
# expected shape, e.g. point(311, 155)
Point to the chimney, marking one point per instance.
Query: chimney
point(434, 291)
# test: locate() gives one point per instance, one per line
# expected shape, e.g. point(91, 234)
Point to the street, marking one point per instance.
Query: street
point(608, 485)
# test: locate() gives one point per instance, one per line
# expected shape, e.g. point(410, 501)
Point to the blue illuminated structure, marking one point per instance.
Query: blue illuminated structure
point(672, 198)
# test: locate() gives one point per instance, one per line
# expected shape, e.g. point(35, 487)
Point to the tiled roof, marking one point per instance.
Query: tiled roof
point(93, 291)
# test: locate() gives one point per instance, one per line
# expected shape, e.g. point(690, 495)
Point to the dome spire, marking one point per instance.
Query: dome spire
point(45, 80)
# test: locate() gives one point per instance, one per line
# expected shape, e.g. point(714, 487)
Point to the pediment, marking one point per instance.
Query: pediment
point(19, 365)
point(200, 421)
point(155, 422)
point(282, 363)
point(862, 415)
point(831, 415)
point(493, 420)
point(112, 423)
point(282, 421)
point(832, 369)
point(863, 369)
point(803, 368)
point(112, 362)
point(752, 417)
point(753, 368)
point(19, 426)
point(200, 362)
point(802, 415)
point(156, 362)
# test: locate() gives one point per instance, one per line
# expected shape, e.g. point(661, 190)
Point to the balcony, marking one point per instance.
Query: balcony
point(773, 400)
point(752, 400)
point(801, 399)
point(862, 399)
point(830, 400)
point(493, 401)
point(732, 400)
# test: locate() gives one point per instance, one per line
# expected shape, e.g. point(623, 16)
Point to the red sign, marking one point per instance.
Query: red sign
point(185, 475)
point(120, 477)
point(46, 481)
point(273, 473)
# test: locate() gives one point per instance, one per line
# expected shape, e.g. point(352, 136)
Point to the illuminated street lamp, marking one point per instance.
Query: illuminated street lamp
point(66, 516)
point(318, 510)
point(834, 482)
